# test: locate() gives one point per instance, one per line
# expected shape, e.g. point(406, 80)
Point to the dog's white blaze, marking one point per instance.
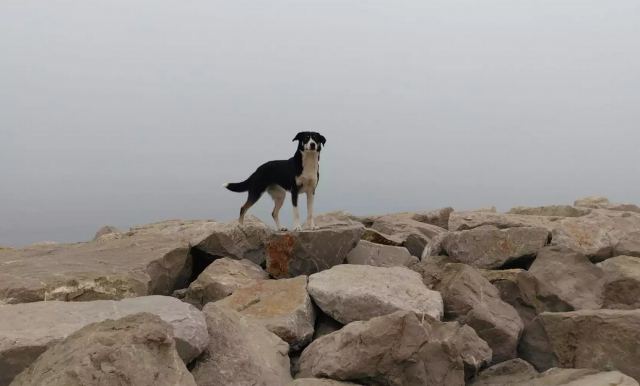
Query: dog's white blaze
point(309, 177)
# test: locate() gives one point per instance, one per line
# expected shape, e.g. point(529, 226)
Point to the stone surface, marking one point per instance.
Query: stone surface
point(550, 210)
point(472, 300)
point(291, 254)
point(376, 237)
point(137, 350)
point(221, 278)
point(562, 280)
point(106, 230)
point(319, 382)
point(508, 282)
point(368, 253)
point(438, 217)
point(282, 306)
point(597, 234)
point(460, 221)
point(596, 339)
point(432, 269)
point(325, 325)
point(240, 352)
point(622, 286)
point(628, 245)
point(397, 349)
point(28, 329)
point(359, 292)
point(592, 202)
point(413, 234)
point(509, 373)
point(488, 247)
point(519, 372)
point(151, 259)
point(239, 242)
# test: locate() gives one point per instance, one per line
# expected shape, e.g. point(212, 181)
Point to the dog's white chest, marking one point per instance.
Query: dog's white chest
point(308, 179)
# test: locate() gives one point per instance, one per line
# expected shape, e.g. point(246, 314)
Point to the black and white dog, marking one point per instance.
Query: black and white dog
point(298, 174)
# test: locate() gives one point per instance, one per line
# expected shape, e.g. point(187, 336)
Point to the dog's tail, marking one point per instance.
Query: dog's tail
point(238, 187)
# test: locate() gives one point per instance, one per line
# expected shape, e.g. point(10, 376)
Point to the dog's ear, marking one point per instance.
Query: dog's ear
point(323, 140)
point(298, 137)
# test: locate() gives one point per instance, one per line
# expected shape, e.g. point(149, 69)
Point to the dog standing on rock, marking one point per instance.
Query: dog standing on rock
point(298, 174)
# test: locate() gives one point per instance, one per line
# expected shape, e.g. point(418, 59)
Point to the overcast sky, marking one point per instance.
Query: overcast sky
point(125, 112)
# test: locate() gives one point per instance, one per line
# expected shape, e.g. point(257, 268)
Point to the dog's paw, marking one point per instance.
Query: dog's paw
point(283, 229)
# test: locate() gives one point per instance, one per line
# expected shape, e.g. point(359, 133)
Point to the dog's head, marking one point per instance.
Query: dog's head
point(310, 141)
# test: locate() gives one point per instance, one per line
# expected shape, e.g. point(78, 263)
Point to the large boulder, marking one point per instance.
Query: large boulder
point(282, 306)
point(592, 202)
point(368, 253)
point(460, 221)
point(237, 241)
point(519, 372)
point(622, 287)
point(28, 329)
point(628, 245)
point(360, 292)
point(397, 349)
point(438, 217)
point(488, 247)
point(147, 260)
point(413, 234)
point(562, 280)
point(596, 339)
point(550, 210)
point(509, 283)
point(240, 352)
point(598, 234)
point(470, 299)
point(319, 382)
point(291, 254)
point(137, 350)
point(221, 279)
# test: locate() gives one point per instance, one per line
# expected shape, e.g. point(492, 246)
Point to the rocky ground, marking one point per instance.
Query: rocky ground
point(535, 296)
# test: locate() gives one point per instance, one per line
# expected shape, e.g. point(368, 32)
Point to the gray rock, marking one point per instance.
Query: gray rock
point(432, 269)
point(368, 253)
point(597, 234)
point(596, 339)
point(510, 373)
point(239, 242)
point(360, 292)
point(376, 237)
point(622, 287)
point(519, 372)
point(106, 230)
point(460, 221)
point(470, 299)
point(551, 210)
point(562, 280)
point(438, 217)
point(319, 382)
point(291, 254)
point(151, 259)
point(325, 325)
point(241, 352)
point(397, 349)
point(413, 234)
point(508, 282)
point(28, 329)
point(488, 247)
point(137, 350)
point(592, 202)
point(221, 279)
point(282, 306)
point(629, 245)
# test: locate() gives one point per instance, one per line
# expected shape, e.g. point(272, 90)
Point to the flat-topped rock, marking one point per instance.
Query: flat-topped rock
point(282, 306)
point(550, 210)
point(221, 279)
point(147, 260)
point(350, 292)
point(622, 282)
point(460, 221)
point(414, 235)
point(28, 329)
point(137, 350)
point(368, 253)
point(291, 254)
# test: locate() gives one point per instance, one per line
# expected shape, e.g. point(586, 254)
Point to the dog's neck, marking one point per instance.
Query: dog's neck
point(309, 161)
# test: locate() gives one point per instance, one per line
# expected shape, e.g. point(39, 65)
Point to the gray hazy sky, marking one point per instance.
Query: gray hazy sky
point(129, 111)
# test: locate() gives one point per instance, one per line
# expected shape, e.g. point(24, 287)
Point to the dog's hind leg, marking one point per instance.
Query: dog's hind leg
point(278, 194)
point(252, 199)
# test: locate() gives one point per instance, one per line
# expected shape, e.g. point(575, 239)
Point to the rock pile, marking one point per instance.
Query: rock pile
point(545, 295)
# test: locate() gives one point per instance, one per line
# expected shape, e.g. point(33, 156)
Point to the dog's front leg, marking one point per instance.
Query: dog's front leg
point(310, 221)
point(296, 212)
